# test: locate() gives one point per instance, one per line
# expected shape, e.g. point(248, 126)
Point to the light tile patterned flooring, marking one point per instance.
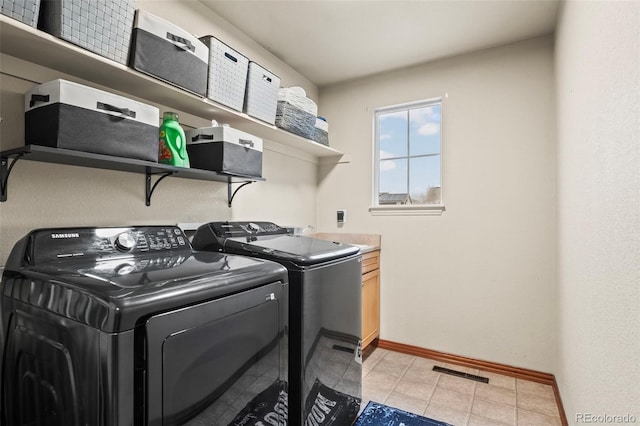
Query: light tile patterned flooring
point(409, 383)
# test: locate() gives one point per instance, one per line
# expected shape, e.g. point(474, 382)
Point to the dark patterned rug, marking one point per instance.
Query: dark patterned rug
point(376, 414)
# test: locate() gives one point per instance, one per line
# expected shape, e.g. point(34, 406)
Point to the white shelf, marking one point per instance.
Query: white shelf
point(27, 43)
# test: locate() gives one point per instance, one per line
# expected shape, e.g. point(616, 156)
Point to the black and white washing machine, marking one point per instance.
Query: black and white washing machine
point(130, 326)
point(325, 279)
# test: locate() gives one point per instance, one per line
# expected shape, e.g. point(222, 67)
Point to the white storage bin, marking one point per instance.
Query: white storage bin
point(103, 27)
point(261, 100)
point(225, 149)
point(25, 11)
point(227, 78)
point(166, 51)
point(63, 114)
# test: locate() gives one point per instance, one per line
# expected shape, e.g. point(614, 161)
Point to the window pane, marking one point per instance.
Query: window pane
point(424, 180)
point(393, 134)
point(393, 181)
point(424, 137)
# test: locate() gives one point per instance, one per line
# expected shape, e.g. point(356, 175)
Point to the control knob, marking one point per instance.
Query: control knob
point(125, 241)
point(125, 269)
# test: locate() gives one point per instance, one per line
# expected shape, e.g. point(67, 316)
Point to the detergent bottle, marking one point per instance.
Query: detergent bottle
point(173, 143)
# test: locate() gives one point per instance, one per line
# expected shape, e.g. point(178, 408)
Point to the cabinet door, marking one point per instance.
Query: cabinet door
point(370, 307)
point(370, 261)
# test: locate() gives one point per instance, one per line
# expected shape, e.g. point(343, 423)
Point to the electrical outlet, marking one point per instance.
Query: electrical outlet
point(342, 216)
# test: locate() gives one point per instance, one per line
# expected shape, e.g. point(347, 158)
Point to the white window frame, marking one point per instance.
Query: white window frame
point(403, 210)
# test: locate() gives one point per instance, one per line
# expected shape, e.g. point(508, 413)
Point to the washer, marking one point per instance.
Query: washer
point(325, 278)
point(130, 326)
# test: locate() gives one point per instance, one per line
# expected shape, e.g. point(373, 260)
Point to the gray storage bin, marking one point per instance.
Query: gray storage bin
point(321, 131)
point(227, 78)
point(295, 120)
point(169, 53)
point(261, 100)
point(101, 26)
point(296, 113)
point(225, 149)
point(63, 114)
point(25, 11)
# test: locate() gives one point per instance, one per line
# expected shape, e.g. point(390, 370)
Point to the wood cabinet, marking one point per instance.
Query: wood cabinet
point(370, 297)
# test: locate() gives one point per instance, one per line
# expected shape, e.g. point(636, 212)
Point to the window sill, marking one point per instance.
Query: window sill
point(421, 210)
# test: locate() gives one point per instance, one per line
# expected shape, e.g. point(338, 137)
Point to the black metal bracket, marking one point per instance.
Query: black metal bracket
point(5, 171)
point(231, 194)
point(150, 188)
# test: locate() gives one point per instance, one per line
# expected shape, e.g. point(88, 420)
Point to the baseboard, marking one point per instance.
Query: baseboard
point(556, 392)
point(493, 367)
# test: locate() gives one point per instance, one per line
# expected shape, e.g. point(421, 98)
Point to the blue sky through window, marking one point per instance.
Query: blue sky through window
point(410, 143)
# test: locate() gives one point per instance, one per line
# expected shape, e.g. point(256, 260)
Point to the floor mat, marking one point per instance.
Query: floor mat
point(376, 414)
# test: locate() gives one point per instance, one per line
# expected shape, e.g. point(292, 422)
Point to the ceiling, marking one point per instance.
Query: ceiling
point(329, 41)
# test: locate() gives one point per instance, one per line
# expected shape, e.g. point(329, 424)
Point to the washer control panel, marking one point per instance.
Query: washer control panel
point(105, 243)
point(245, 229)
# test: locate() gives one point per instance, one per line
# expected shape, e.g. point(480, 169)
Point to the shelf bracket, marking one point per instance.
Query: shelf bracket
point(150, 188)
point(5, 171)
point(231, 194)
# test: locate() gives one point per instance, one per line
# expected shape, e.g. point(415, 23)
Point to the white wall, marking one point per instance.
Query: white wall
point(478, 280)
point(48, 195)
point(598, 215)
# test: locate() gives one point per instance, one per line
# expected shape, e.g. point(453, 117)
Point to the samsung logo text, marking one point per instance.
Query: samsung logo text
point(72, 235)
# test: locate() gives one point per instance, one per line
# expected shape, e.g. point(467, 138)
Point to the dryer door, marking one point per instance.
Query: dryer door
point(216, 362)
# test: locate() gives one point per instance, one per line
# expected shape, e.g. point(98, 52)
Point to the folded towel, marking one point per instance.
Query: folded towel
point(297, 97)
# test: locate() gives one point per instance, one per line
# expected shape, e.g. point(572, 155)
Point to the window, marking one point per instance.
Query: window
point(408, 157)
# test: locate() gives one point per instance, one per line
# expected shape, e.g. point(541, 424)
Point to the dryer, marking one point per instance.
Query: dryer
point(325, 305)
point(130, 326)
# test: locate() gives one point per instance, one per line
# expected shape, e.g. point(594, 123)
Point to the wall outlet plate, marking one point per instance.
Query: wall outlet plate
point(341, 216)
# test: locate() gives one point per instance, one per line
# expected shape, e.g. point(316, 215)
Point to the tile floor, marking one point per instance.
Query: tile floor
point(409, 383)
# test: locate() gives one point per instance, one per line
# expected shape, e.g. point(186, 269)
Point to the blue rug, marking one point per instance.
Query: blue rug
point(376, 414)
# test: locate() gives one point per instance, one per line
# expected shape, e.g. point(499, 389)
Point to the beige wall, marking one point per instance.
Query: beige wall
point(48, 195)
point(598, 214)
point(478, 280)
